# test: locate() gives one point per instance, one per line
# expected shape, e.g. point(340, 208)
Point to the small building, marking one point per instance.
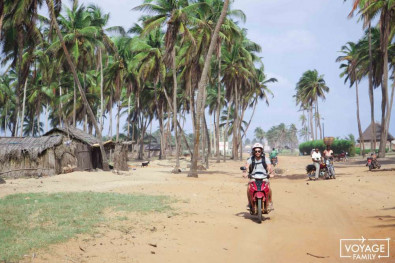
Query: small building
point(367, 137)
point(82, 147)
point(21, 157)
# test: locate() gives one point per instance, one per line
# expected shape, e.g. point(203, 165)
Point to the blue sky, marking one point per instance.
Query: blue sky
point(295, 36)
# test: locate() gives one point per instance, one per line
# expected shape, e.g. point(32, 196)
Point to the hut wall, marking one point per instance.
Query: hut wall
point(44, 165)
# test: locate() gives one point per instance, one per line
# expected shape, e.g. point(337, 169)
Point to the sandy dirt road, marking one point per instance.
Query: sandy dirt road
point(210, 223)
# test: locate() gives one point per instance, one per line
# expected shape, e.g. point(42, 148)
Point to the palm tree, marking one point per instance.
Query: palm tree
point(175, 14)
point(51, 8)
point(309, 88)
point(353, 74)
point(259, 134)
point(385, 9)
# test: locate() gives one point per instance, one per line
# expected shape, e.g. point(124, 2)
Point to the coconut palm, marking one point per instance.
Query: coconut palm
point(176, 14)
point(51, 8)
point(351, 71)
point(385, 9)
point(309, 88)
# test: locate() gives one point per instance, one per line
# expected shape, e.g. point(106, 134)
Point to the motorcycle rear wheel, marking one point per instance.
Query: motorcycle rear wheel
point(259, 211)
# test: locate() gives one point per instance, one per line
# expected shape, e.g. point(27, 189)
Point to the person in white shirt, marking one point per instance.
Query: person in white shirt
point(316, 157)
point(258, 166)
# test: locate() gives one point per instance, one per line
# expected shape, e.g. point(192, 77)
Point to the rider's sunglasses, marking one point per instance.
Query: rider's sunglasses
point(258, 151)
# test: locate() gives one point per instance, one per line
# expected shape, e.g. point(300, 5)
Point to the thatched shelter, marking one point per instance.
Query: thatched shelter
point(367, 137)
point(83, 147)
point(29, 156)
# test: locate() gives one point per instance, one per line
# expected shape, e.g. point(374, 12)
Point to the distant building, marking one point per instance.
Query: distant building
point(367, 137)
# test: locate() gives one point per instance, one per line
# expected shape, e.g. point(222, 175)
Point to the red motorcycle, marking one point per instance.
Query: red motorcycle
point(372, 163)
point(258, 191)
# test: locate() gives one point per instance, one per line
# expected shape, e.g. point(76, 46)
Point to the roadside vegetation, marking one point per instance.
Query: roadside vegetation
point(36, 220)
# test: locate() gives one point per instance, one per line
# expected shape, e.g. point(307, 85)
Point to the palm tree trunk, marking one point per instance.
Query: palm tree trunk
point(101, 120)
point(319, 121)
point(129, 116)
point(385, 31)
point(311, 122)
point(1, 18)
point(207, 141)
point(371, 94)
point(162, 134)
point(46, 117)
point(218, 103)
point(74, 105)
point(118, 118)
point(60, 105)
point(23, 108)
point(361, 140)
point(110, 127)
point(226, 131)
point(202, 85)
point(5, 120)
point(149, 144)
point(388, 120)
point(82, 93)
point(181, 130)
point(173, 54)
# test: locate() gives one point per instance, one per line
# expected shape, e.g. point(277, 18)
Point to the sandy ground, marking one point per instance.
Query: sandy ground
point(210, 223)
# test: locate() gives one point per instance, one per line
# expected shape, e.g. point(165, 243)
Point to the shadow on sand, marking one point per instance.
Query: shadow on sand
point(253, 218)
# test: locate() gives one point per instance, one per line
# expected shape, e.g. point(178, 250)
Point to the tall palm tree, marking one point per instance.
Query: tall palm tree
point(202, 88)
point(385, 9)
point(51, 8)
point(352, 73)
point(309, 88)
point(175, 14)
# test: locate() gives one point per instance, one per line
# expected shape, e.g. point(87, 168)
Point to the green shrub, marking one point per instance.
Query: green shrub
point(337, 146)
point(358, 151)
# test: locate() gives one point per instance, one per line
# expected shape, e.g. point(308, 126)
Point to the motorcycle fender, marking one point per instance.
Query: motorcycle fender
point(259, 195)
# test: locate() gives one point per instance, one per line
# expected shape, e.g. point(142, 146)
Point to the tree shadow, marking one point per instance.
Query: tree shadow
point(389, 208)
point(387, 221)
point(298, 176)
point(254, 218)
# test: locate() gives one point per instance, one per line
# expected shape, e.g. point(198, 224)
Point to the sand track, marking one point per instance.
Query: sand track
point(212, 224)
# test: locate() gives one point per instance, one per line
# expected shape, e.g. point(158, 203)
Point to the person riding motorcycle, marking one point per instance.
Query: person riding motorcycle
point(273, 155)
point(262, 169)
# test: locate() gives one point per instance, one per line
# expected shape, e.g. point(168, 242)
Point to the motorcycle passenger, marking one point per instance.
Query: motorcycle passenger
point(316, 157)
point(328, 153)
point(273, 155)
point(262, 169)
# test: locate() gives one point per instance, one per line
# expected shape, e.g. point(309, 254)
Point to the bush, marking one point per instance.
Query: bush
point(358, 150)
point(337, 146)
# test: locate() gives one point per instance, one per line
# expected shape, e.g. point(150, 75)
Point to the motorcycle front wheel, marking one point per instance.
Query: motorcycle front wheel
point(259, 211)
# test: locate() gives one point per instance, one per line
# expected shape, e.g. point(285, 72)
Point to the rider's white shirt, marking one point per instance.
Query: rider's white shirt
point(316, 156)
point(258, 171)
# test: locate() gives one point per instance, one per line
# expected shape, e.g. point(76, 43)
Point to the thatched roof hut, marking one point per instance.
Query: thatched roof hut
point(16, 147)
point(367, 134)
point(80, 135)
point(28, 156)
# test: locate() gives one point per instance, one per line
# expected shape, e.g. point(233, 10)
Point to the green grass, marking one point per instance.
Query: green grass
point(35, 220)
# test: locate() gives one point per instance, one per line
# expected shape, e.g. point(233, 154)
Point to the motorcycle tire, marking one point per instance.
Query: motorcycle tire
point(259, 211)
point(370, 168)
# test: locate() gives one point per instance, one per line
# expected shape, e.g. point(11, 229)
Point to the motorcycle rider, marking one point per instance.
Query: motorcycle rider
point(316, 157)
point(262, 169)
point(273, 155)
